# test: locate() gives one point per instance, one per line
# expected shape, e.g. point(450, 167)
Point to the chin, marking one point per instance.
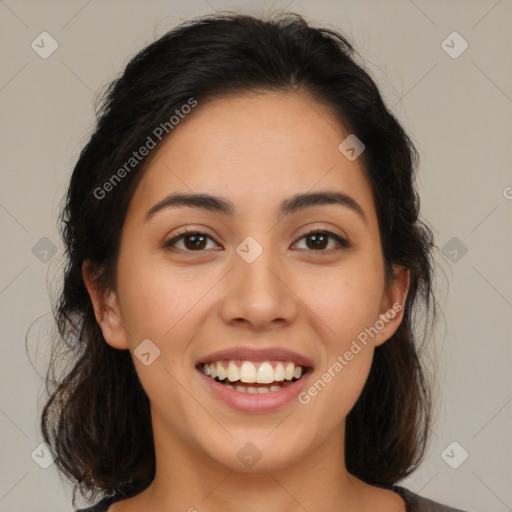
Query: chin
point(255, 454)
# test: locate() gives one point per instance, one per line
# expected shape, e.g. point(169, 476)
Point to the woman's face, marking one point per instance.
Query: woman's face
point(251, 285)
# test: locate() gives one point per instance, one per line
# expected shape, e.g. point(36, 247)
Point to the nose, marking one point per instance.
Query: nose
point(260, 294)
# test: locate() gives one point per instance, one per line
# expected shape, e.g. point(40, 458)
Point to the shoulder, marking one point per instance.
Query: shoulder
point(416, 503)
point(101, 506)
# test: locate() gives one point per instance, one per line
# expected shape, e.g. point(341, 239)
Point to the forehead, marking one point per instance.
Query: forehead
point(255, 149)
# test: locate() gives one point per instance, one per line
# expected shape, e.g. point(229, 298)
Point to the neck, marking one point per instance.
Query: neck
point(187, 479)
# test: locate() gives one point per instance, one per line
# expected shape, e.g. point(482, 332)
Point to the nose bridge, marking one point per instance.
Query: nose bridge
point(257, 292)
point(252, 266)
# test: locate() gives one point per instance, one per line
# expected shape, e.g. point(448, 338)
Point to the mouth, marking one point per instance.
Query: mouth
point(254, 377)
point(255, 380)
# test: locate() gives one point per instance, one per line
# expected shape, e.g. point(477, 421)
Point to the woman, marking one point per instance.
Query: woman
point(245, 258)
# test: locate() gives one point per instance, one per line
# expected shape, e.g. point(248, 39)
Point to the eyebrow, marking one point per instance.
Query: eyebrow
point(288, 206)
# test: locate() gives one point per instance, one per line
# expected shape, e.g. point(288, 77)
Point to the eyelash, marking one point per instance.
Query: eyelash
point(341, 241)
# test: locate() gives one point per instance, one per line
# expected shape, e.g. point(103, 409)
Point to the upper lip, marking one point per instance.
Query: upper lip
point(258, 355)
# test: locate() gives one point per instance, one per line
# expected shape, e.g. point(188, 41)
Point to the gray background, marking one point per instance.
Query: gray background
point(457, 110)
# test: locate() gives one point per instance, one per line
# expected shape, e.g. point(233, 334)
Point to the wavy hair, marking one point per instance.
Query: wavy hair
point(96, 406)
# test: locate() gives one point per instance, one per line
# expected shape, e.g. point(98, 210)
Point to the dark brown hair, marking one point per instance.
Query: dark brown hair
point(96, 407)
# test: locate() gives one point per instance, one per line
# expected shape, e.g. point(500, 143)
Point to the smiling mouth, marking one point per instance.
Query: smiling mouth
point(253, 377)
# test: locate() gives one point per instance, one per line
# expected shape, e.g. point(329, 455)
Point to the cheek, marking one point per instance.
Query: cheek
point(337, 383)
point(348, 306)
point(161, 305)
point(156, 299)
point(347, 301)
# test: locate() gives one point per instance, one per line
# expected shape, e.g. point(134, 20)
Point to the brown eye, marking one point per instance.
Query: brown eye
point(196, 241)
point(316, 241)
point(319, 240)
point(193, 241)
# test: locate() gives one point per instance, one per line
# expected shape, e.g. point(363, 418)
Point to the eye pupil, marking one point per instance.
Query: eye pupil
point(197, 244)
point(318, 244)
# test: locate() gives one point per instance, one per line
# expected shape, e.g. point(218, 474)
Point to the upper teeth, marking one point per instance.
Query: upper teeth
point(248, 371)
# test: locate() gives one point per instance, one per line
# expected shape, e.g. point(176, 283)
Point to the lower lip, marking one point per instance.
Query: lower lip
point(259, 402)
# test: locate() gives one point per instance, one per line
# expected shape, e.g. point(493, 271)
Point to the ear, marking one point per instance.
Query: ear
point(106, 309)
point(392, 304)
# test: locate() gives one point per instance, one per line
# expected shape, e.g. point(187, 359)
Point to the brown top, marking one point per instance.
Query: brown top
point(414, 503)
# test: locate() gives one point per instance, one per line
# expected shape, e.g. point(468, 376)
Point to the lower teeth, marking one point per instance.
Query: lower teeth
point(255, 389)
